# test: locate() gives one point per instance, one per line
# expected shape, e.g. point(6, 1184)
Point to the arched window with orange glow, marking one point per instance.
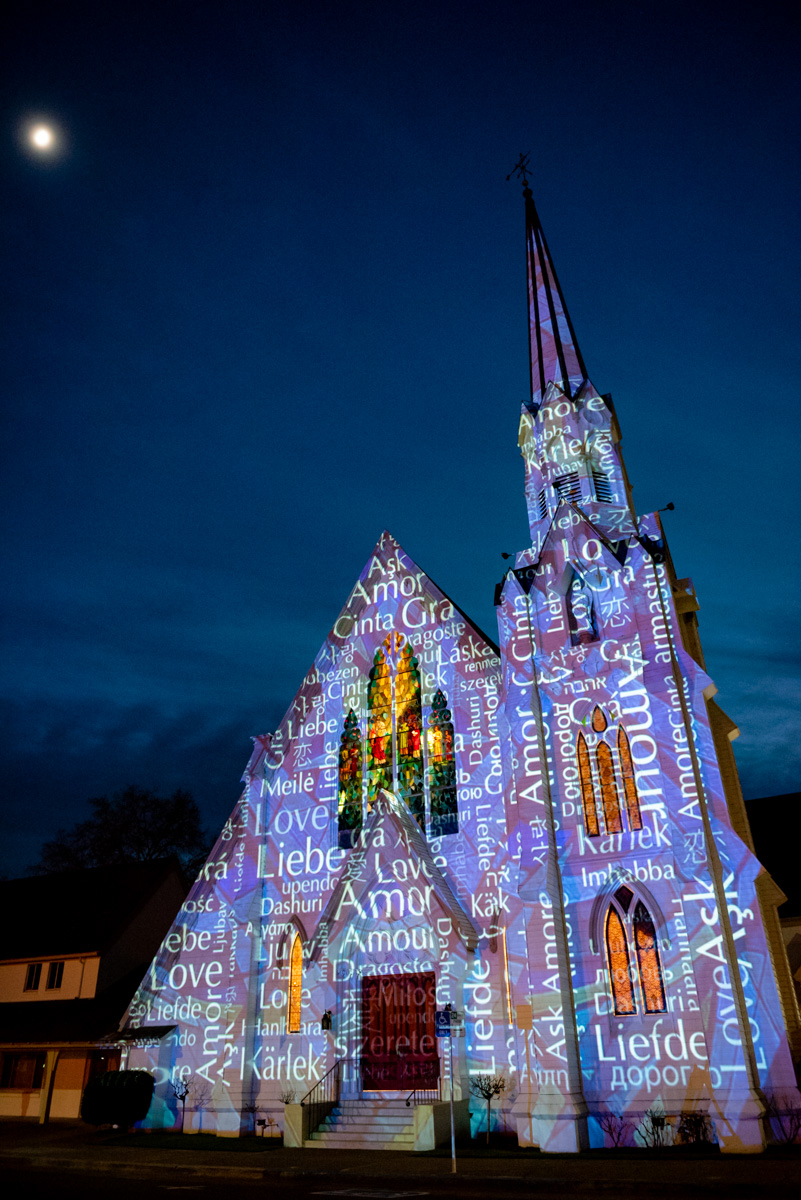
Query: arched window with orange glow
point(609, 797)
point(617, 957)
point(629, 782)
point(649, 967)
point(295, 985)
point(587, 793)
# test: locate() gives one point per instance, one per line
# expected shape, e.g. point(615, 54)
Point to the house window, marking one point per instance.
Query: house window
point(24, 1071)
point(600, 795)
point(32, 977)
point(399, 750)
point(624, 972)
point(295, 985)
point(55, 973)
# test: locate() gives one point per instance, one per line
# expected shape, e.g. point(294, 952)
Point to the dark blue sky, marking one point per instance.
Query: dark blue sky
point(269, 298)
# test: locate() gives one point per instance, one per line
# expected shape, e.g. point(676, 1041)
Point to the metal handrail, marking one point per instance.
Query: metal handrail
point(420, 1095)
point(323, 1096)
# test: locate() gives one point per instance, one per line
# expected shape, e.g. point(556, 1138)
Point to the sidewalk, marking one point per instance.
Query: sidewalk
point(71, 1145)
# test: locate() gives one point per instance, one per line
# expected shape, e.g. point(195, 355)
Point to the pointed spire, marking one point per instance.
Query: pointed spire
point(554, 351)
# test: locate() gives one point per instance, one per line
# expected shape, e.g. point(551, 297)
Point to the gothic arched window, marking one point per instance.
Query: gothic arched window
point(629, 782)
point(587, 793)
point(349, 808)
point(295, 985)
point(606, 778)
point(650, 969)
point(617, 955)
point(644, 965)
point(379, 728)
point(408, 723)
point(609, 798)
point(581, 612)
point(442, 769)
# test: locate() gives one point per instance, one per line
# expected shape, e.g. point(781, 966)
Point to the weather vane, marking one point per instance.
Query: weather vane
point(521, 169)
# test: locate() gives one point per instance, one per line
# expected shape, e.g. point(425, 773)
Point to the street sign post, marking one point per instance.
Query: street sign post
point(450, 1024)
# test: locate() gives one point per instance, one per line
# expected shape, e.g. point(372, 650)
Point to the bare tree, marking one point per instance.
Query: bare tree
point(252, 1109)
point(135, 825)
point(486, 1087)
point(615, 1126)
point(200, 1095)
point(694, 1127)
point(654, 1129)
point(181, 1089)
point(784, 1119)
point(288, 1096)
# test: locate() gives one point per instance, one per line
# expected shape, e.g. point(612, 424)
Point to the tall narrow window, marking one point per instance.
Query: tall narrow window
point(408, 721)
point(581, 612)
point(629, 782)
point(55, 974)
point(32, 977)
point(617, 954)
point(442, 769)
point(350, 782)
point(295, 985)
point(609, 797)
point(379, 728)
point(653, 990)
point(587, 793)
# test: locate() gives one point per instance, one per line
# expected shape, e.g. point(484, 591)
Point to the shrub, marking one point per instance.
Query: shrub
point(117, 1098)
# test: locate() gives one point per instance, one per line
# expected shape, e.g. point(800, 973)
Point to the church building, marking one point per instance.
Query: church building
point(545, 832)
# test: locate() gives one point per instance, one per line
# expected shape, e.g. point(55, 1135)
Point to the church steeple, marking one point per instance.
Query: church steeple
point(569, 436)
point(553, 348)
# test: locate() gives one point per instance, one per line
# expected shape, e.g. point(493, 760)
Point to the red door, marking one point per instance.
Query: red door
point(399, 1047)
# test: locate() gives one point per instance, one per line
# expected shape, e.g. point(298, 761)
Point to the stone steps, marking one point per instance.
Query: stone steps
point(373, 1124)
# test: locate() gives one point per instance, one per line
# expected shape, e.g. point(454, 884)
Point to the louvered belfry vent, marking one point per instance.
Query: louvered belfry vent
point(569, 486)
point(603, 491)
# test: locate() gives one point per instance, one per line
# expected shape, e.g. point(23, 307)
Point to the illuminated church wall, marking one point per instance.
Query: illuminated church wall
point(536, 833)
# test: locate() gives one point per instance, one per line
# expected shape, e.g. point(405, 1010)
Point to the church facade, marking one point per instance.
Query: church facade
point(546, 833)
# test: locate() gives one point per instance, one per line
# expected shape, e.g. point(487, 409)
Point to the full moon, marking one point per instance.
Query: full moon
point(42, 137)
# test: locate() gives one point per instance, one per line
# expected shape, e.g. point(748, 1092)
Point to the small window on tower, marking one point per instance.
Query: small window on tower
point(603, 491)
point(569, 486)
point(542, 504)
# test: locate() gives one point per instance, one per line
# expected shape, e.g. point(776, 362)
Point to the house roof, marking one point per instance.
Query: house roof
point(81, 1021)
point(76, 912)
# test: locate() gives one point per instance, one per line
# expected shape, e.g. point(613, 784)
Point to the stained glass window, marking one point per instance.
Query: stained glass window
point(609, 798)
point(379, 728)
point(442, 769)
point(629, 782)
point(617, 955)
point(653, 990)
point(350, 782)
point(587, 793)
point(295, 985)
point(408, 724)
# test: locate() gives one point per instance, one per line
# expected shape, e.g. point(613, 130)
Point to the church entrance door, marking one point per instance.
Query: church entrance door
point(399, 1046)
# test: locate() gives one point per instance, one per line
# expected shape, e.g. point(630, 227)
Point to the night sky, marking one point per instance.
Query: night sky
point(267, 298)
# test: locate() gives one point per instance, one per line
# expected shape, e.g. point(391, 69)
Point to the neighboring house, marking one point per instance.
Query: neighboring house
point(73, 948)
